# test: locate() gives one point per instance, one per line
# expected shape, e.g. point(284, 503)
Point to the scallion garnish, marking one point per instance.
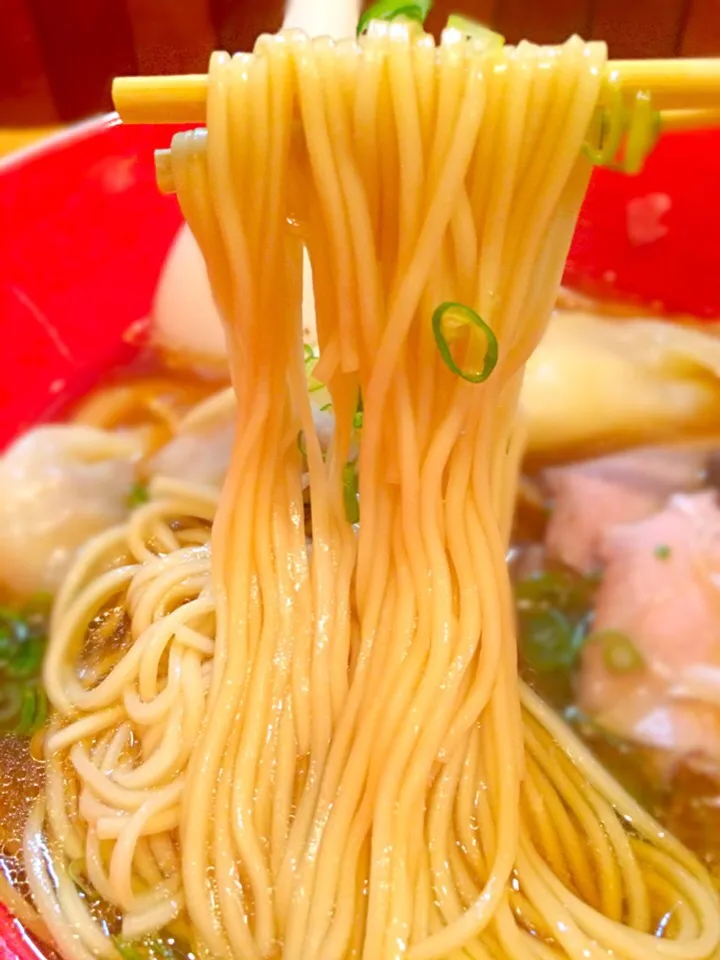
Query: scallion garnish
point(26, 658)
point(476, 31)
point(33, 710)
point(139, 494)
point(620, 655)
point(639, 126)
point(301, 443)
point(36, 610)
point(311, 359)
point(606, 128)
point(662, 551)
point(565, 589)
point(131, 949)
point(77, 872)
point(392, 9)
point(350, 492)
point(450, 322)
point(23, 638)
point(642, 134)
point(358, 415)
point(550, 641)
point(554, 611)
point(151, 948)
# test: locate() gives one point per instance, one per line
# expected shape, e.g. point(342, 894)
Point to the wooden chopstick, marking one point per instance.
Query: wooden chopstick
point(684, 84)
point(674, 84)
point(700, 119)
point(167, 99)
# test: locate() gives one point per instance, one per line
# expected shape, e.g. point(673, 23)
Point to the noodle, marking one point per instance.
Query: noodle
point(322, 750)
point(156, 406)
point(139, 702)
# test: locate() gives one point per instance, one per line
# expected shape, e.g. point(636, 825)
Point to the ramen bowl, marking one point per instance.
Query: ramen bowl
point(85, 235)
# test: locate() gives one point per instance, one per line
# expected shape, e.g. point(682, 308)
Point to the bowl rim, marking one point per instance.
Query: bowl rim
point(63, 137)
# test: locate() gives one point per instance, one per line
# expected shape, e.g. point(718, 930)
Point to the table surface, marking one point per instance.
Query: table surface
point(57, 60)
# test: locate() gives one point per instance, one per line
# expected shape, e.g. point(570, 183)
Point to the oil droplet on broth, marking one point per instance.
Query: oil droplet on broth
point(21, 777)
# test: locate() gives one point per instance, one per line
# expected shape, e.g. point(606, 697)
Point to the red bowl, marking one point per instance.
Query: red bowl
point(85, 232)
point(84, 236)
point(655, 238)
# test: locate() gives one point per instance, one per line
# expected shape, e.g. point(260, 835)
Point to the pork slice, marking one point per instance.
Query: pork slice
point(592, 497)
point(661, 589)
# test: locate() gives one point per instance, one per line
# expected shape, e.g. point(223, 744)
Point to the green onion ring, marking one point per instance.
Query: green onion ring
point(392, 9)
point(474, 319)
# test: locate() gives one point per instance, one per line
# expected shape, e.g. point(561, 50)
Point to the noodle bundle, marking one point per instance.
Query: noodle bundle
point(320, 749)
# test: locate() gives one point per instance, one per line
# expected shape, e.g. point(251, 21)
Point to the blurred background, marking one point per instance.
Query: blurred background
point(57, 57)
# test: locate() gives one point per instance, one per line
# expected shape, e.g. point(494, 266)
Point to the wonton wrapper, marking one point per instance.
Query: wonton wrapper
point(61, 484)
point(594, 382)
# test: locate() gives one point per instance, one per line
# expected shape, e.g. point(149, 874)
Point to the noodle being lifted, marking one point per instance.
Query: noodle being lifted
point(319, 750)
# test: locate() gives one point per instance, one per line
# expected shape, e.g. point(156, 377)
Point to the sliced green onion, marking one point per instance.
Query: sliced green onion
point(476, 31)
point(613, 121)
point(10, 703)
point(7, 645)
point(620, 655)
point(151, 948)
point(449, 321)
point(350, 492)
point(13, 629)
point(129, 949)
point(326, 406)
point(662, 551)
point(554, 613)
point(301, 443)
point(9, 616)
point(311, 359)
point(607, 128)
point(392, 9)
point(37, 608)
point(41, 709)
point(643, 131)
point(138, 495)
point(315, 386)
point(27, 711)
point(77, 873)
point(33, 710)
point(567, 590)
point(23, 638)
point(549, 640)
point(27, 659)
point(359, 411)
